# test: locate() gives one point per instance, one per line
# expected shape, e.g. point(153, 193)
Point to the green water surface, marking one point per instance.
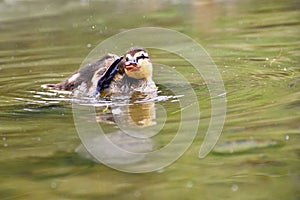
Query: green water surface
point(256, 47)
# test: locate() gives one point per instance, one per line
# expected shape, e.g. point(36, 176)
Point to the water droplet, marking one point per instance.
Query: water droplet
point(189, 184)
point(5, 145)
point(36, 138)
point(137, 193)
point(287, 137)
point(4, 138)
point(84, 2)
point(234, 187)
point(284, 69)
point(89, 45)
point(94, 26)
point(116, 111)
point(222, 94)
point(53, 185)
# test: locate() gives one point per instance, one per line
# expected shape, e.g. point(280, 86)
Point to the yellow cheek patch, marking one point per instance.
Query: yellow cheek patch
point(145, 71)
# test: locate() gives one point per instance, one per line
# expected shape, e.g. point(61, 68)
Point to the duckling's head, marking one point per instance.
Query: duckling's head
point(138, 64)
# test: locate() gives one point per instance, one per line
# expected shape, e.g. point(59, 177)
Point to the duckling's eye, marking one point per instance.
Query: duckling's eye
point(142, 56)
point(127, 59)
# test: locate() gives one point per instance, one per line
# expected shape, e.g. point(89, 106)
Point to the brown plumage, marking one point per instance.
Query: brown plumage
point(135, 73)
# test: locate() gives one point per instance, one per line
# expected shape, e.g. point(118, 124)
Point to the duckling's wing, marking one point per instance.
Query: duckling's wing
point(108, 75)
point(88, 75)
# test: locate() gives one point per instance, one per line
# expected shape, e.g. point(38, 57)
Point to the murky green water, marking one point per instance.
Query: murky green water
point(255, 45)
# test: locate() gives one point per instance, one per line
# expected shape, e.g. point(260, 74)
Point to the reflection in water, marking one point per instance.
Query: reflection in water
point(141, 114)
point(98, 148)
point(138, 110)
point(140, 117)
point(135, 118)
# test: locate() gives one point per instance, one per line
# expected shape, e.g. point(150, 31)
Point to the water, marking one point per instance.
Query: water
point(256, 48)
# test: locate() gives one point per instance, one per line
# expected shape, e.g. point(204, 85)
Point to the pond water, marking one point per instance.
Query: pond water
point(255, 45)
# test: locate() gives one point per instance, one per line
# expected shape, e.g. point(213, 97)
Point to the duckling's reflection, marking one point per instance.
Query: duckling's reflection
point(138, 110)
point(136, 124)
point(141, 113)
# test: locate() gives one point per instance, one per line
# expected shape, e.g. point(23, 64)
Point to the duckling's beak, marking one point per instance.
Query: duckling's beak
point(131, 65)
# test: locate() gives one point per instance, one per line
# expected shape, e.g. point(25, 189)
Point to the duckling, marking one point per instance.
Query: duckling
point(112, 74)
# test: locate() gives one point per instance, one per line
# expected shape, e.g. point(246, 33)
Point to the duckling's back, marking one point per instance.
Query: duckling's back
point(86, 79)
